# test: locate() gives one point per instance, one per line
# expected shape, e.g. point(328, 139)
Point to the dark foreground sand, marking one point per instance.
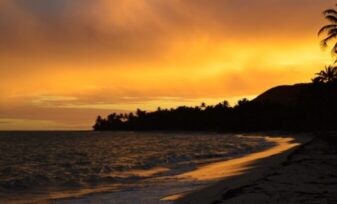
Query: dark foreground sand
point(307, 174)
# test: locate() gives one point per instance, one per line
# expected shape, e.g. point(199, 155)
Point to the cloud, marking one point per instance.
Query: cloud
point(62, 60)
point(145, 27)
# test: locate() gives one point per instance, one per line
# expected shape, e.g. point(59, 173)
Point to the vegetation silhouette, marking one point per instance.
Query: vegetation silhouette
point(329, 30)
point(329, 75)
point(301, 107)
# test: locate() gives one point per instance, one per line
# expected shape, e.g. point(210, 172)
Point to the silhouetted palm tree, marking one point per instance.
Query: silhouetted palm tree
point(330, 30)
point(326, 76)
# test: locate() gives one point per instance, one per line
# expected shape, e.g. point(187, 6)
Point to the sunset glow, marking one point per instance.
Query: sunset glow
point(64, 62)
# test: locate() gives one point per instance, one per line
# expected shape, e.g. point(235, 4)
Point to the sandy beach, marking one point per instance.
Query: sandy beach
point(302, 175)
point(297, 169)
point(168, 102)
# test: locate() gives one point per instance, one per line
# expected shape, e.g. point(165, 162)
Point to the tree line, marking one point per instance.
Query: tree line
point(314, 107)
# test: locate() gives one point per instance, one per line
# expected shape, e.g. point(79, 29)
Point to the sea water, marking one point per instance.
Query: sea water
point(37, 166)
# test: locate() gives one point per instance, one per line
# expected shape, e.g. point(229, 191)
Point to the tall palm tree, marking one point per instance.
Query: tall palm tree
point(330, 30)
point(326, 76)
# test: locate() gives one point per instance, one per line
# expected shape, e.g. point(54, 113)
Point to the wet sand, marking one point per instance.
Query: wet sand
point(240, 165)
point(306, 174)
point(238, 171)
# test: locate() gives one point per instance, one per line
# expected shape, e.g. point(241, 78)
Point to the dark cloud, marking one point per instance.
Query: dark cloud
point(124, 26)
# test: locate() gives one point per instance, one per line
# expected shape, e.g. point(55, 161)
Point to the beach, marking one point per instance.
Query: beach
point(209, 182)
point(306, 174)
point(295, 168)
point(168, 102)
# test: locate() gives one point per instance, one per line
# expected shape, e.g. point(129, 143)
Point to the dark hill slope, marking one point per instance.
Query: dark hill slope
point(300, 106)
point(288, 95)
point(297, 107)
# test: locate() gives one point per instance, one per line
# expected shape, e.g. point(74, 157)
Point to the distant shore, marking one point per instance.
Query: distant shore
point(306, 174)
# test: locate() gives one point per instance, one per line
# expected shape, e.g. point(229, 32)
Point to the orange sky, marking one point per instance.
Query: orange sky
point(63, 62)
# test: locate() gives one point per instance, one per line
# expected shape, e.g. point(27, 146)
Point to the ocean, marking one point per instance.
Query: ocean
point(39, 166)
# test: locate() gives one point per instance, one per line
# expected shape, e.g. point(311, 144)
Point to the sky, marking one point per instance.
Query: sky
point(64, 62)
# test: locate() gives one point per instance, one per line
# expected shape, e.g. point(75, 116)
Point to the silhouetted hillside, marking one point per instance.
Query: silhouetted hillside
point(284, 95)
point(297, 107)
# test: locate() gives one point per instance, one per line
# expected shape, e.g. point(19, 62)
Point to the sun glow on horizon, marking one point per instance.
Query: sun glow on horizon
point(62, 66)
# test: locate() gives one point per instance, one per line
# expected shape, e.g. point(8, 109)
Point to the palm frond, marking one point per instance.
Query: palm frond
point(324, 42)
point(332, 32)
point(331, 18)
point(334, 51)
point(327, 28)
point(317, 80)
point(333, 70)
point(330, 12)
point(323, 73)
point(328, 75)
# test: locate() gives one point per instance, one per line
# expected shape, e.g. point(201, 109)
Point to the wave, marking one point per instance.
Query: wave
point(49, 162)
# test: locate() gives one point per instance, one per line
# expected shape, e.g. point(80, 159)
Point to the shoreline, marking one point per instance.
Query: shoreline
point(202, 178)
point(239, 171)
point(282, 178)
point(150, 185)
point(307, 176)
